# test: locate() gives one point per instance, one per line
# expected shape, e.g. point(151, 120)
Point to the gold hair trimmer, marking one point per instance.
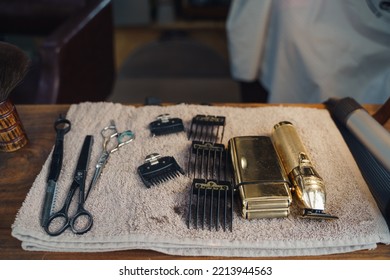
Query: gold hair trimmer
point(307, 185)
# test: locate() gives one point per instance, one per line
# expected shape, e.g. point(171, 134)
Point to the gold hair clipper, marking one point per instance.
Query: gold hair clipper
point(308, 186)
point(259, 177)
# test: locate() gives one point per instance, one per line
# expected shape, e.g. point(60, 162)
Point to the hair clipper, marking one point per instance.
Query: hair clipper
point(308, 186)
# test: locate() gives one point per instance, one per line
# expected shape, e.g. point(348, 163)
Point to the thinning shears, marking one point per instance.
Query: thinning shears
point(112, 141)
point(81, 221)
point(62, 126)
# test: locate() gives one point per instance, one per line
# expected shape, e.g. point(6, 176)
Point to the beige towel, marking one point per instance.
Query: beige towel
point(127, 215)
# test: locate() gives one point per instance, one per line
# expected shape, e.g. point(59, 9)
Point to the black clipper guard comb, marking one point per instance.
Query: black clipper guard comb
point(158, 169)
point(211, 202)
point(212, 193)
point(207, 128)
point(166, 125)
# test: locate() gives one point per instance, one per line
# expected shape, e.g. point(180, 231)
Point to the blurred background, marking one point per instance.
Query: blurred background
point(154, 51)
point(128, 51)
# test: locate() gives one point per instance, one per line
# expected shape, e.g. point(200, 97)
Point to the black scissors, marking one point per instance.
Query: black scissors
point(81, 221)
point(62, 127)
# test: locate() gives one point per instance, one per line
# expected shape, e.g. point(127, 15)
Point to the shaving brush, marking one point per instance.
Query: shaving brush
point(13, 67)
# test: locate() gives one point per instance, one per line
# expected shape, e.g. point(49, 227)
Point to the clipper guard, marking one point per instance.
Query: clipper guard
point(212, 194)
point(207, 128)
point(158, 169)
point(166, 125)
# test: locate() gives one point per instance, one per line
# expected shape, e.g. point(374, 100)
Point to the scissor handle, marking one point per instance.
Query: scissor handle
point(121, 139)
point(81, 222)
point(60, 221)
point(109, 131)
point(57, 223)
point(125, 137)
point(62, 125)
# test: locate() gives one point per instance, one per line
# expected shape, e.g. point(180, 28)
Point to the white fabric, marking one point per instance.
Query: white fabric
point(305, 51)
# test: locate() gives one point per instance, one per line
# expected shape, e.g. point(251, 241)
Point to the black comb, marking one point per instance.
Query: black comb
point(212, 193)
point(166, 125)
point(158, 169)
point(207, 128)
point(211, 202)
point(205, 159)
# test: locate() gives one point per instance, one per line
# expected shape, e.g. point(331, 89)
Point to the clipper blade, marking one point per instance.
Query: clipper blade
point(158, 169)
point(207, 128)
point(317, 214)
point(166, 125)
point(211, 203)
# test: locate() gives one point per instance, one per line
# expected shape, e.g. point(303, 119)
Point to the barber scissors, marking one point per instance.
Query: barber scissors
point(62, 126)
point(112, 141)
point(81, 221)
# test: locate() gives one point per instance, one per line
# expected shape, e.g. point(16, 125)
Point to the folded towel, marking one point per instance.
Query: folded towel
point(127, 215)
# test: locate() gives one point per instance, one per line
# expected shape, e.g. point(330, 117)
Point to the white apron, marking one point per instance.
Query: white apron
point(305, 51)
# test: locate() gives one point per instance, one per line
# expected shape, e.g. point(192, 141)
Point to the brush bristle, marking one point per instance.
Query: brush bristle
point(13, 67)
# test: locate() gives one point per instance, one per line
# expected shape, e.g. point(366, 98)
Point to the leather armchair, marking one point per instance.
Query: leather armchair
point(75, 61)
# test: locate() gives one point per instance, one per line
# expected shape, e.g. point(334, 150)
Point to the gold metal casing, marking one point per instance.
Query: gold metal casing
point(261, 181)
point(308, 186)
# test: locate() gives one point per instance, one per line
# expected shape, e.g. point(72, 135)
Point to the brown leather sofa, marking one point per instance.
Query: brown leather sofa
point(75, 61)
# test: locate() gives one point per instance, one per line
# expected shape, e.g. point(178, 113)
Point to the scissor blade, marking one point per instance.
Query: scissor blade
point(56, 161)
point(48, 203)
point(83, 161)
point(98, 170)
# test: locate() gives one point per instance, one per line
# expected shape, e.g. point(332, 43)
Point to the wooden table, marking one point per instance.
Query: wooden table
point(19, 169)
